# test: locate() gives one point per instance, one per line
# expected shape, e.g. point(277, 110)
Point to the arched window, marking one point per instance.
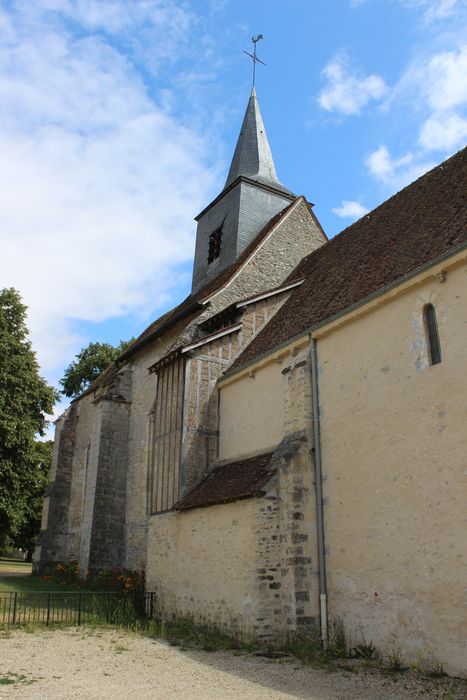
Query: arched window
point(432, 336)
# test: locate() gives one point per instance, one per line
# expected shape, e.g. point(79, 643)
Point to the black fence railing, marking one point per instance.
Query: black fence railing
point(74, 607)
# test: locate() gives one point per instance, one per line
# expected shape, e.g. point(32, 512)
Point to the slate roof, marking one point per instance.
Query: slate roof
point(415, 226)
point(252, 157)
point(230, 482)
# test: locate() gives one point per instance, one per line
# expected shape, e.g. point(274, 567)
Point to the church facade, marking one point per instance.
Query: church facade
point(287, 447)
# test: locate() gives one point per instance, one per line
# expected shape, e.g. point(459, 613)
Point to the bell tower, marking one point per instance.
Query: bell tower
point(252, 195)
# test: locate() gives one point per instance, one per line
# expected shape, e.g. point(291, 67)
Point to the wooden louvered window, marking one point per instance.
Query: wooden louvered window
point(214, 249)
point(432, 335)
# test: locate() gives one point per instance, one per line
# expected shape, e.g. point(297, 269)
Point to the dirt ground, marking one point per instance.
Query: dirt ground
point(100, 664)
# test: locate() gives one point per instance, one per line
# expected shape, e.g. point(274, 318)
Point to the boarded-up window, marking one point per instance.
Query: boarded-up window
point(431, 325)
point(165, 437)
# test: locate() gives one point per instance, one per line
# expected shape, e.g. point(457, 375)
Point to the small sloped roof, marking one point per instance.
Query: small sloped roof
point(234, 481)
point(415, 226)
point(193, 304)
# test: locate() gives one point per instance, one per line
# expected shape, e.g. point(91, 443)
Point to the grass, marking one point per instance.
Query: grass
point(185, 634)
point(31, 583)
point(67, 606)
point(8, 564)
point(14, 679)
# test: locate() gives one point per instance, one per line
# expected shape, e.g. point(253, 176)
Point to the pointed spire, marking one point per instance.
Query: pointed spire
point(252, 157)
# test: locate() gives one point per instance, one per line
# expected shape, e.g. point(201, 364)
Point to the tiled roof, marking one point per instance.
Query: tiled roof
point(415, 226)
point(230, 482)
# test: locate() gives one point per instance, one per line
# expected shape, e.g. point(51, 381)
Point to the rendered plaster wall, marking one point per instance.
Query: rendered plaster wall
point(252, 413)
point(394, 446)
point(202, 563)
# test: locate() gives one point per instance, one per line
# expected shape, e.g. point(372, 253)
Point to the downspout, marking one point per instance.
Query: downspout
point(323, 605)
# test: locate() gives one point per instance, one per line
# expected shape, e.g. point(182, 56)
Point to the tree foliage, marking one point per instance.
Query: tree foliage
point(90, 362)
point(30, 526)
point(25, 398)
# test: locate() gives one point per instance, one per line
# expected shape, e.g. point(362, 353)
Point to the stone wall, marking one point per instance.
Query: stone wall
point(52, 544)
point(89, 467)
point(295, 236)
point(107, 542)
point(202, 563)
point(261, 553)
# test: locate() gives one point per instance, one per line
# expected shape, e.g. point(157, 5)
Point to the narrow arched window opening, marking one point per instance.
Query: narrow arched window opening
point(432, 335)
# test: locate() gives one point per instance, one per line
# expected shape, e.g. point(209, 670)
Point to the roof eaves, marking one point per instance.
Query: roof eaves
point(221, 501)
point(330, 319)
point(212, 336)
point(270, 293)
point(190, 309)
point(242, 178)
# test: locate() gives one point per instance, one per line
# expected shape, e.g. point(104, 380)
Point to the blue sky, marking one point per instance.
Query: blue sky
point(118, 119)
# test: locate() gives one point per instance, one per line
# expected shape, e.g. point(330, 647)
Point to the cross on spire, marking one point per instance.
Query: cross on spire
point(253, 55)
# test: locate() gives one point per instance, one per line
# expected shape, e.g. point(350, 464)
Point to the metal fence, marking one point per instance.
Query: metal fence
point(74, 607)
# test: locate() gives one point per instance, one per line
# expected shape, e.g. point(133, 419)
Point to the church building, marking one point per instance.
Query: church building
point(286, 449)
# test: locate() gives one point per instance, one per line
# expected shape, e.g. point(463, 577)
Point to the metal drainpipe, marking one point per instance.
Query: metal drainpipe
point(323, 605)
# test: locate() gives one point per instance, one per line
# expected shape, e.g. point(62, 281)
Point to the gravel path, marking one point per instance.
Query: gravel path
point(100, 664)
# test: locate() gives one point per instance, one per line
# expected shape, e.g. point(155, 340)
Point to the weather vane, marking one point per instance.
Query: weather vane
point(253, 55)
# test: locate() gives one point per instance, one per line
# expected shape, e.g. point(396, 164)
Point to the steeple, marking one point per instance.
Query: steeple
point(252, 195)
point(252, 157)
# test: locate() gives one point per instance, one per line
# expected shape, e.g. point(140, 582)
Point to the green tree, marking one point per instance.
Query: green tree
point(31, 524)
point(90, 362)
point(25, 398)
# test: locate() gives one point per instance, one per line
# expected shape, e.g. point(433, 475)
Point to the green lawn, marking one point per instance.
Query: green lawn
point(31, 583)
point(14, 565)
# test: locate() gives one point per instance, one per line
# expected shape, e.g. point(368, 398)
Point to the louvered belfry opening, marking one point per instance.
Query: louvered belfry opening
point(214, 249)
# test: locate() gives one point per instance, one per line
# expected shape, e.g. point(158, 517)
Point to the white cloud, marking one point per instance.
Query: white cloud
point(396, 172)
point(432, 10)
point(444, 79)
point(435, 9)
point(351, 210)
point(443, 132)
point(347, 91)
point(435, 90)
point(99, 184)
point(432, 96)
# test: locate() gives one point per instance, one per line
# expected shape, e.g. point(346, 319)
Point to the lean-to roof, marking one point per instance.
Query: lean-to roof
point(234, 481)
